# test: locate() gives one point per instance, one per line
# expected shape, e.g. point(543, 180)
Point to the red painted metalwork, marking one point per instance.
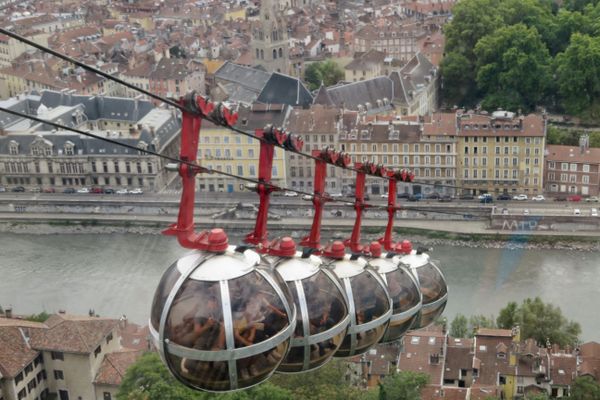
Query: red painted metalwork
point(395, 176)
point(196, 107)
point(359, 203)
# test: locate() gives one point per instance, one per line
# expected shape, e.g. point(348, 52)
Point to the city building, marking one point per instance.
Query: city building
point(365, 66)
point(416, 87)
point(270, 46)
point(499, 152)
point(173, 77)
point(65, 357)
point(36, 155)
point(572, 169)
point(398, 39)
point(224, 150)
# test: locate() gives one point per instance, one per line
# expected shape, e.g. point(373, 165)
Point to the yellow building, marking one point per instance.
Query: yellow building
point(11, 48)
point(224, 150)
point(498, 152)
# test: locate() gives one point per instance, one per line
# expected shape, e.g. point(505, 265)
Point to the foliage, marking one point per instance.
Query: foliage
point(520, 54)
point(459, 326)
point(405, 385)
point(585, 388)
point(540, 321)
point(41, 317)
point(513, 68)
point(326, 72)
point(538, 396)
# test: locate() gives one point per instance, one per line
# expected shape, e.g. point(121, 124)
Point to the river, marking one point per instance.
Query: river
point(116, 274)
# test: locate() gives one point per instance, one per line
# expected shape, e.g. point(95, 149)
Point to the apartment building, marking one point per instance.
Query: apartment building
point(572, 169)
point(398, 39)
point(499, 152)
point(403, 144)
point(38, 156)
point(227, 151)
point(172, 77)
point(60, 358)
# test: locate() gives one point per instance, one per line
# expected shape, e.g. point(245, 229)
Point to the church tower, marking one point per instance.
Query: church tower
point(270, 47)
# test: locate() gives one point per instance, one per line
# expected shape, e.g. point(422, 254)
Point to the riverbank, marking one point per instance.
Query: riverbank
point(472, 234)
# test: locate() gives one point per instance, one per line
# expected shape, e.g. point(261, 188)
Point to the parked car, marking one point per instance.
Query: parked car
point(560, 198)
point(416, 197)
point(2, 189)
point(593, 199)
point(486, 199)
point(433, 196)
point(445, 198)
point(576, 211)
point(525, 212)
point(109, 191)
point(574, 198)
point(539, 197)
point(83, 190)
point(483, 196)
point(290, 194)
point(35, 190)
point(594, 212)
point(18, 189)
point(122, 191)
point(520, 197)
point(336, 195)
point(136, 191)
point(68, 190)
point(49, 190)
point(384, 196)
point(466, 196)
point(504, 196)
point(307, 197)
point(96, 190)
point(403, 195)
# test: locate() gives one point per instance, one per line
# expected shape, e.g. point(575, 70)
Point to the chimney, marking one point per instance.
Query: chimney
point(123, 321)
point(91, 312)
point(8, 312)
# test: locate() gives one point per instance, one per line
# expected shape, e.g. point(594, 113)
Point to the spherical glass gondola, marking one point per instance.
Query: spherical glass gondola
point(222, 321)
point(404, 292)
point(433, 286)
point(369, 303)
point(321, 312)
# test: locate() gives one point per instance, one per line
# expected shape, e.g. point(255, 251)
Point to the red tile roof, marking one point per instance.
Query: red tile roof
point(15, 352)
point(572, 154)
point(114, 366)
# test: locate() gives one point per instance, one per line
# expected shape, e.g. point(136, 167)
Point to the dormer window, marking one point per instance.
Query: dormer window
point(13, 148)
point(69, 148)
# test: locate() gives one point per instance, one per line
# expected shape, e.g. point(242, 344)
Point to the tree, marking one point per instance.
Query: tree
point(538, 396)
point(541, 321)
point(41, 317)
point(326, 72)
point(507, 318)
point(459, 327)
point(585, 388)
point(480, 321)
point(577, 71)
point(405, 385)
point(512, 68)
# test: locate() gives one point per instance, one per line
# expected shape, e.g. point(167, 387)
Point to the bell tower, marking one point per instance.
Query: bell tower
point(270, 46)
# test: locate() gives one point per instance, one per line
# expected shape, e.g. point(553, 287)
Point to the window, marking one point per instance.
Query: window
point(22, 394)
point(18, 378)
point(106, 395)
point(573, 167)
point(252, 170)
point(415, 340)
point(31, 385)
point(97, 351)
point(13, 148)
point(585, 179)
point(240, 170)
point(150, 168)
point(238, 153)
point(138, 166)
point(57, 355)
point(482, 347)
point(58, 374)
point(586, 168)
point(109, 338)
point(251, 153)
point(431, 340)
point(38, 360)
point(127, 167)
point(28, 369)
point(564, 166)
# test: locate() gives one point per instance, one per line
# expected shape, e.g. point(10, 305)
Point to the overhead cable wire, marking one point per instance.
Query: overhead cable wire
point(175, 104)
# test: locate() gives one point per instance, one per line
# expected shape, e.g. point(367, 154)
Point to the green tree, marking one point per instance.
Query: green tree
point(538, 396)
point(41, 317)
point(577, 72)
point(326, 72)
point(480, 321)
point(513, 68)
point(508, 316)
point(459, 328)
point(585, 388)
point(541, 321)
point(405, 385)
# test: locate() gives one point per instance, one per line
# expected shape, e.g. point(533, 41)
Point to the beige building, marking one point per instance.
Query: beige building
point(224, 150)
point(499, 152)
point(397, 40)
point(11, 48)
point(66, 357)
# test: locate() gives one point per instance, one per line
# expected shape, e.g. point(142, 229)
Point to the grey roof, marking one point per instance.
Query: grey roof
point(250, 78)
point(260, 115)
point(99, 107)
point(351, 95)
point(285, 89)
point(412, 78)
point(24, 105)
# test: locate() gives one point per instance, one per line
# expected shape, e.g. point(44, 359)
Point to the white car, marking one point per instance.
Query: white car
point(290, 194)
point(307, 197)
point(594, 212)
point(593, 199)
point(520, 197)
point(335, 195)
point(122, 191)
point(539, 197)
point(83, 190)
point(136, 191)
point(384, 196)
point(576, 211)
point(525, 212)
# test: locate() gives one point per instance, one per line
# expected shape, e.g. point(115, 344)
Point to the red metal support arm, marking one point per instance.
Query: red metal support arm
point(195, 107)
point(395, 176)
